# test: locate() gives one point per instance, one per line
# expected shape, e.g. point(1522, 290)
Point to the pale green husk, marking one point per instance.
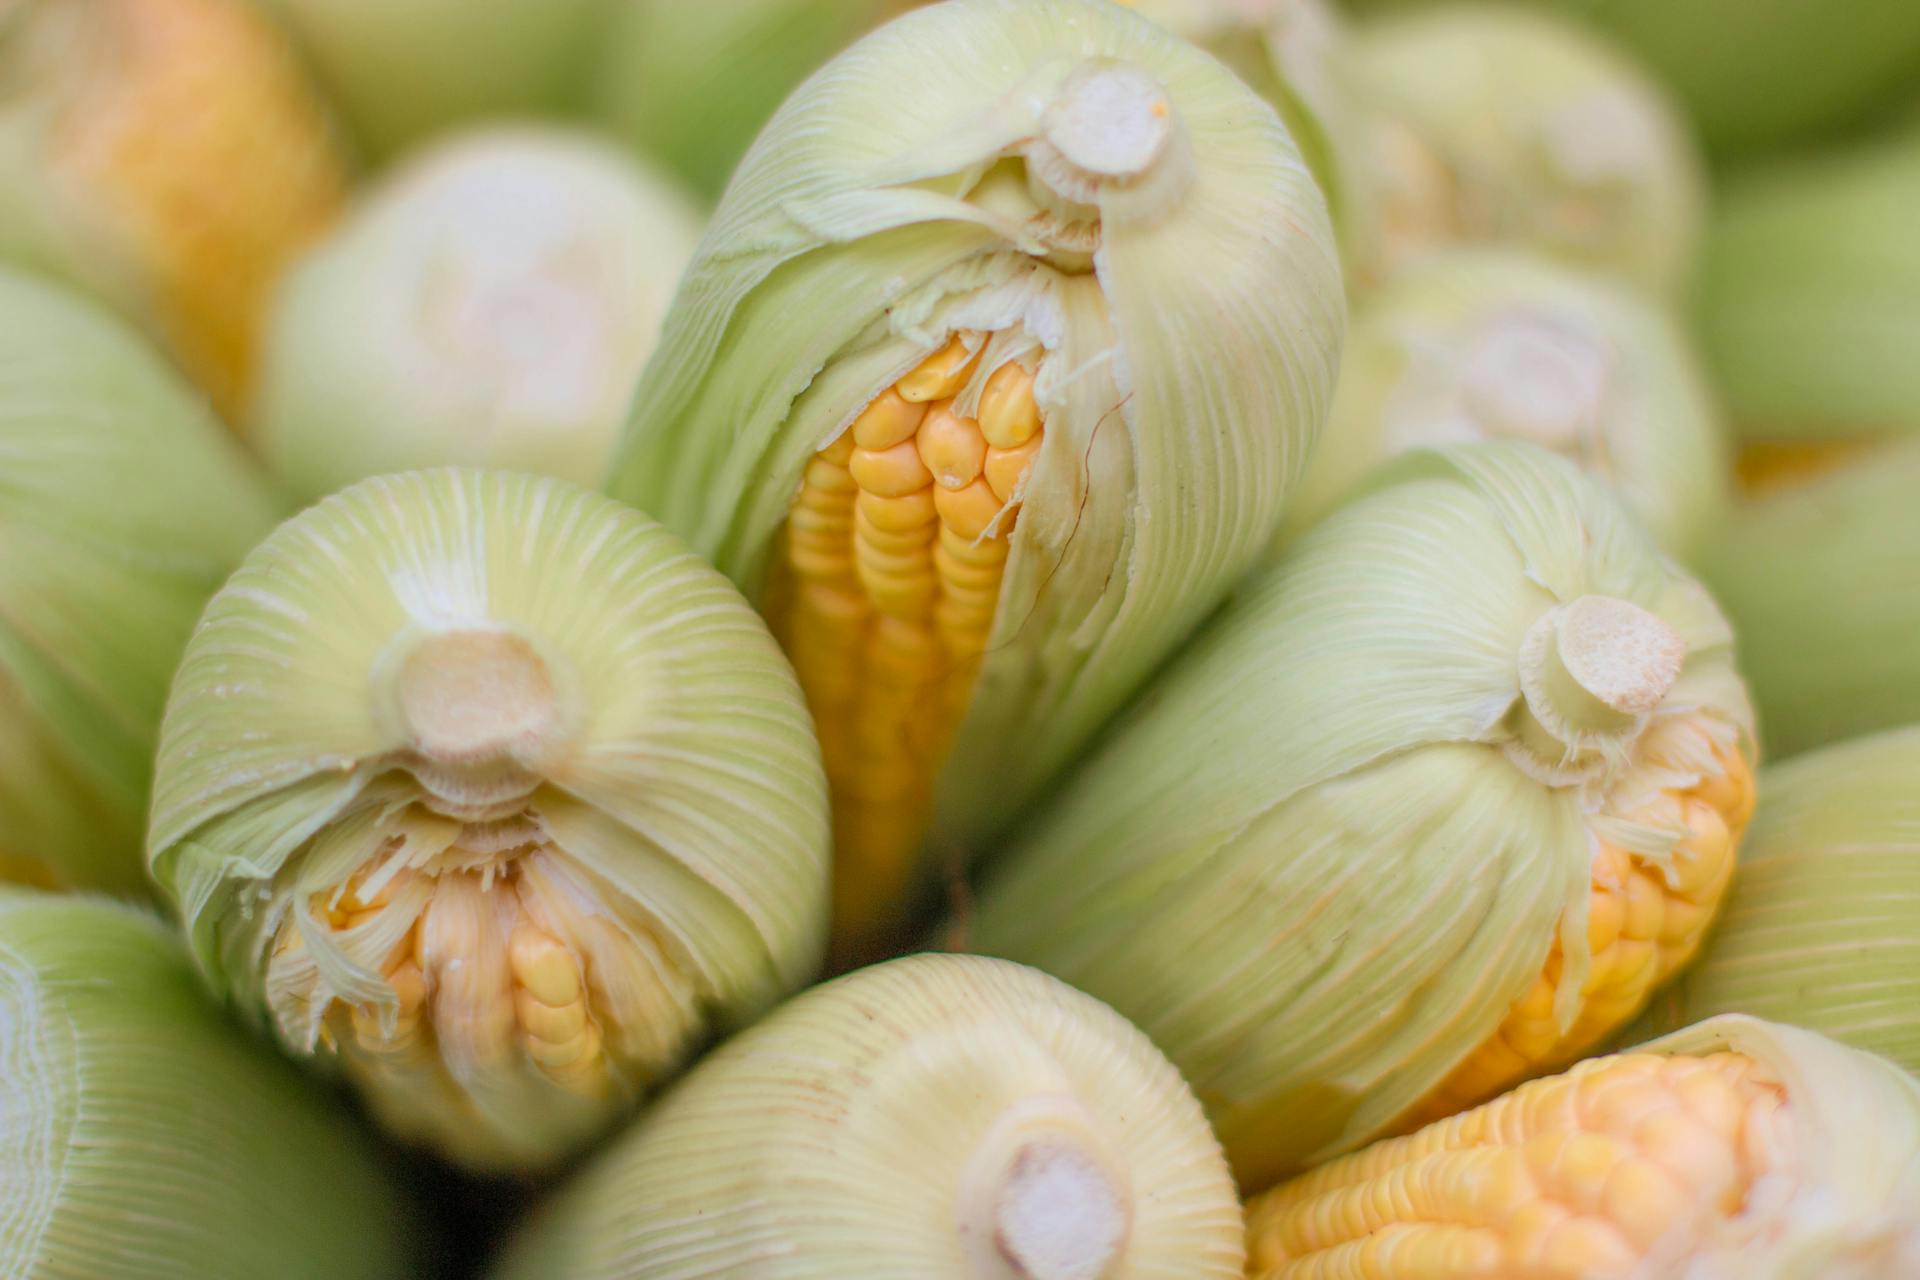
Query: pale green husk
point(692, 83)
point(144, 1138)
point(1760, 74)
point(1497, 125)
point(1313, 863)
point(835, 1139)
point(492, 302)
point(1823, 925)
point(1294, 52)
point(1849, 1209)
point(1184, 382)
point(1822, 584)
point(403, 70)
point(1497, 344)
point(123, 505)
point(1810, 295)
point(680, 775)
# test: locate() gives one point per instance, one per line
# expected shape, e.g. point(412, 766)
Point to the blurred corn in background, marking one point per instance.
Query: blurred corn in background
point(491, 301)
point(168, 157)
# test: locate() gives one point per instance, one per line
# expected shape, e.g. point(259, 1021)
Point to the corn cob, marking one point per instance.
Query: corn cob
point(1760, 75)
point(1808, 308)
point(482, 787)
point(936, 1117)
point(169, 157)
point(491, 303)
point(145, 1139)
point(1489, 125)
point(1821, 579)
point(1819, 930)
point(1476, 764)
point(406, 70)
point(123, 504)
point(1492, 344)
point(1736, 1148)
point(986, 393)
point(691, 84)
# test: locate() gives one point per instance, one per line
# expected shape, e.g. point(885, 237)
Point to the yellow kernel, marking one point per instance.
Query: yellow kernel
point(543, 966)
point(907, 511)
point(969, 511)
point(939, 375)
point(891, 473)
point(1008, 415)
point(1006, 469)
point(951, 447)
point(886, 421)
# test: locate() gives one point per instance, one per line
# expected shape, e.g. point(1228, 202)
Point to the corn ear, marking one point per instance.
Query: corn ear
point(1495, 344)
point(168, 157)
point(1733, 1150)
point(482, 787)
point(986, 393)
point(492, 303)
point(941, 1117)
point(1760, 75)
point(405, 70)
point(691, 84)
point(146, 1139)
point(1294, 53)
point(1821, 579)
point(1810, 295)
point(1469, 766)
point(1820, 928)
point(1494, 125)
point(123, 506)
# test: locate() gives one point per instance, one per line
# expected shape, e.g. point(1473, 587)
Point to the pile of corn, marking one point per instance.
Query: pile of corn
point(993, 640)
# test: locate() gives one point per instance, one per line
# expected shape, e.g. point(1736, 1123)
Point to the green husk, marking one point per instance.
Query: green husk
point(691, 83)
point(1183, 378)
point(1493, 344)
point(402, 71)
point(506, 699)
point(882, 1124)
point(146, 1139)
point(492, 303)
point(1822, 583)
point(1324, 854)
point(1810, 296)
point(1762, 74)
point(1489, 125)
point(1823, 927)
point(123, 505)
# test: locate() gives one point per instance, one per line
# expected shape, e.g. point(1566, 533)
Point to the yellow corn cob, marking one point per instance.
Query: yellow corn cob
point(984, 420)
point(1644, 922)
point(1703, 1156)
point(892, 561)
point(172, 156)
